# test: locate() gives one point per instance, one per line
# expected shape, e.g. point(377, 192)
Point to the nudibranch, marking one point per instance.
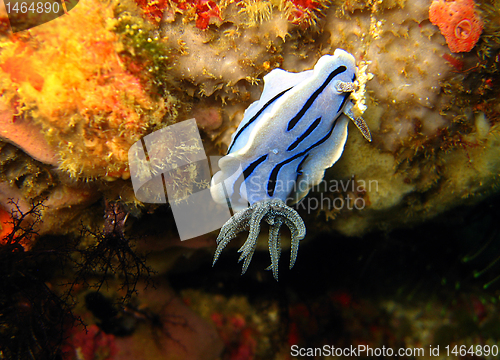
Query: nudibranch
point(282, 147)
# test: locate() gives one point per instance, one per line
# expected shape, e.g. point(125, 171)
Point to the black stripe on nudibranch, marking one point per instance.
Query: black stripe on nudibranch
point(314, 96)
point(246, 173)
point(299, 167)
point(346, 97)
point(249, 170)
point(309, 130)
point(271, 185)
point(257, 114)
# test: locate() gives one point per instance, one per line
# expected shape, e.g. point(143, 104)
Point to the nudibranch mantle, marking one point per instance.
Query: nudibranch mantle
point(282, 147)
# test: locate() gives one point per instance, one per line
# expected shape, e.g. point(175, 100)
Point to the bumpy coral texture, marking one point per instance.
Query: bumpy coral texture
point(420, 160)
point(153, 9)
point(74, 79)
point(458, 22)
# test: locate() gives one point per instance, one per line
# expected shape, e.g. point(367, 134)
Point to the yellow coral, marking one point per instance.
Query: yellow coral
point(359, 96)
point(257, 11)
point(81, 91)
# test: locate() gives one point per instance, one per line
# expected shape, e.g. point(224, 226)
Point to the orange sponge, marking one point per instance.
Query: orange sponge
point(459, 23)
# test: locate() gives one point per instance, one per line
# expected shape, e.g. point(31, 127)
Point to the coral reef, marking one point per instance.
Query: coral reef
point(423, 104)
point(26, 136)
point(78, 92)
point(93, 90)
point(433, 114)
point(24, 180)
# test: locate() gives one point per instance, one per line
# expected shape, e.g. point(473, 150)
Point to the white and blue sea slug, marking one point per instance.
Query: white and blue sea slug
point(286, 140)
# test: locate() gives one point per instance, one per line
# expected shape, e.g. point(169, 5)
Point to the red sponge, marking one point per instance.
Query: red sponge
point(458, 22)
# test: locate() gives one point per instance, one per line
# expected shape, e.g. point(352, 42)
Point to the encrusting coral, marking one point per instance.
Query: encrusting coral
point(122, 71)
point(98, 80)
point(422, 112)
point(92, 90)
point(249, 44)
point(26, 135)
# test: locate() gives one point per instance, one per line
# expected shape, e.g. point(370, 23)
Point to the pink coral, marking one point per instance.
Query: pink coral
point(459, 23)
point(25, 135)
point(86, 86)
